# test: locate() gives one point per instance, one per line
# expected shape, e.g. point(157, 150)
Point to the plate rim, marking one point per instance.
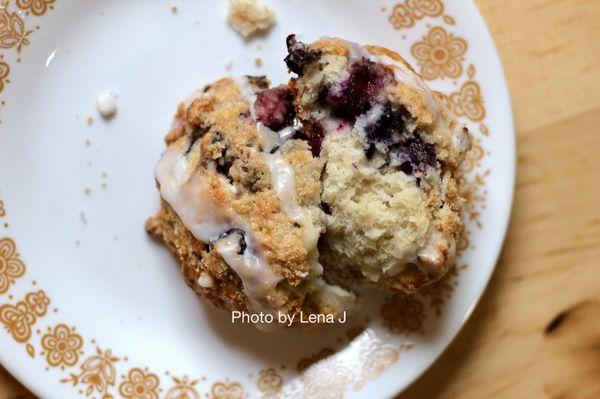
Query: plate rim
point(505, 222)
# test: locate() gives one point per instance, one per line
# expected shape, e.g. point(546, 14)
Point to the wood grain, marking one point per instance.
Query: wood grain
point(536, 333)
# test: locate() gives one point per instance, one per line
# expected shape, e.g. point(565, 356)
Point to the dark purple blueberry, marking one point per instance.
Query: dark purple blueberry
point(391, 136)
point(358, 91)
point(299, 55)
point(274, 108)
point(389, 128)
point(417, 155)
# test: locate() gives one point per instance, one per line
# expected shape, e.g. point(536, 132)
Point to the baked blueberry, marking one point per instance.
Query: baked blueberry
point(274, 108)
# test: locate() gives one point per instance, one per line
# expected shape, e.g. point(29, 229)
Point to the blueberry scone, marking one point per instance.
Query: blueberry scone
point(392, 157)
point(241, 202)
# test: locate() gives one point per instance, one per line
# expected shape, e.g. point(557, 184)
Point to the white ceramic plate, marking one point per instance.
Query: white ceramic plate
point(92, 307)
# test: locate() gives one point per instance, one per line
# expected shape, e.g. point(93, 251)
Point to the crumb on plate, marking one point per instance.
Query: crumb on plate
point(248, 17)
point(174, 9)
point(106, 103)
point(258, 61)
point(90, 120)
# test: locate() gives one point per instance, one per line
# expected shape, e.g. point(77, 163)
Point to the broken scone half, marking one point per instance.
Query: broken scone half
point(392, 155)
point(241, 202)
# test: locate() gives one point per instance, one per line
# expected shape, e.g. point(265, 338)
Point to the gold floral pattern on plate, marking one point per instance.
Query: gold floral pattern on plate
point(36, 7)
point(328, 379)
point(12, 31)
point(440, 54)
point(378, 356)
point(4, 72)
point(474, 156)
point(306, 362)
point(62, 346)
point(18, 319)
point(11, 266)
point(474, 192)
point(439, 292)
point(2, 210)
point(139, 384)
point(97, 374)
point(467, 102)
point(269, 382)
point(226, 390)
point(405, 14)
point(184, 388)
point(403, 314)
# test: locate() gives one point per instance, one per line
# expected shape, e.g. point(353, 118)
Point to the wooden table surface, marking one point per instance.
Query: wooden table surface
point(536, 332)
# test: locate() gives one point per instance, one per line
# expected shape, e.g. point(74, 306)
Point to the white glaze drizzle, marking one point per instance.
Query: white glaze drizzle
point(189, 195)
point(284, 184)
point(283, 178)
point(430, 255)
point(282, 174)
point(182, 188)
point(331, 298)
point(248, 92)
point(257, 277)
point(205, 280)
